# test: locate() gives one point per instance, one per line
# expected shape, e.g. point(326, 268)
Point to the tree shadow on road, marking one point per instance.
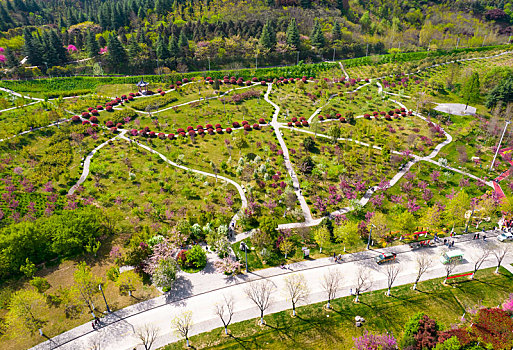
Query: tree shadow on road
point(181, 289)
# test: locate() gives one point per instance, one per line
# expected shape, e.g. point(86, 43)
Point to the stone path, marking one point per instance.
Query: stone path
point(225, 179)
point(290, 169)
point(87, 162)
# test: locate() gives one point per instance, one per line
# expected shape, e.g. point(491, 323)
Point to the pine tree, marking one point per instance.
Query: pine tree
point(343, 6)
point(183, 42)
point(160, 7)
point(162, 49)
point(116, 53)
point(293, 34)
point(31, 48)
point(133, 48)
point(317, 38)
point(20, 5)
point(335, 33)
point(56, 42)
point(92, 46)
point(266, 38)
point(50, 55)
point(174, 50)
point(306, 4)
point(10, 59)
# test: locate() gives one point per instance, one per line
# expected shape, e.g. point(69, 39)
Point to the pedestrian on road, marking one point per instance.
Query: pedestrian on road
point(94, 327)
point(484, 237)
point(334, 257)
point(445, 241)
point(477, 236)
point(452, 244)
point(350, 291)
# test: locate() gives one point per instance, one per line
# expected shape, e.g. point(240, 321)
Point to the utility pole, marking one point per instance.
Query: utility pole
point(486, 36)
point(297, 60)
point(256, 61)
point(333, 54)
point(367, 52)
point(458, 43)
point(499, 146)
point(208, 64)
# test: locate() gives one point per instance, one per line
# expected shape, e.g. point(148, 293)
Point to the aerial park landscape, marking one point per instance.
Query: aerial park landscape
point(303, 178)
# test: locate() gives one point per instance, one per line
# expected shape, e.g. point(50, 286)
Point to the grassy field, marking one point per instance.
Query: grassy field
point(314, 328)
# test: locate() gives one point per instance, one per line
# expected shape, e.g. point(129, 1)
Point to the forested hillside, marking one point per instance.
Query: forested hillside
point(160, 36)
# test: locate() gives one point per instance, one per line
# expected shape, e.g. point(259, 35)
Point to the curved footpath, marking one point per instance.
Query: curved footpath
point(199, 292)
point(295, 182)
point(225, 179)
point(87, 163)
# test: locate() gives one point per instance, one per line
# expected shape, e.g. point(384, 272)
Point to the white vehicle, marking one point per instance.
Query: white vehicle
point(505, 236)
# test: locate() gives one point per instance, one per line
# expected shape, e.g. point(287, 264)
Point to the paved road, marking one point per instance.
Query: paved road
point(199, 292)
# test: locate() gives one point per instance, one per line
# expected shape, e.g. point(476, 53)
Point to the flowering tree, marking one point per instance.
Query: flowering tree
point(369, 341)
point(165, 274)
point(227, 265)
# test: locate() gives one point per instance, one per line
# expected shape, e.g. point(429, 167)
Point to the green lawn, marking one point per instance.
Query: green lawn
point(315, 328)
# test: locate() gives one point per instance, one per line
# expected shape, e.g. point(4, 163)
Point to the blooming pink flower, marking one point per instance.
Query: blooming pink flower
point(72, 48)
point(2, 58)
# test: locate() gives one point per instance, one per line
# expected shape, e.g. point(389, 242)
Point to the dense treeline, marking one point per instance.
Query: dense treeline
point(46, 238)
point(161, 36)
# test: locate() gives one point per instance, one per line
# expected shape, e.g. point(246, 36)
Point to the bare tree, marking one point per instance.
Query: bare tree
point(479, 259)
point(182, 324)
point(147, 334)
point(224, 310)
point(260, 293)
point(392, 271)
point(363, 282)
point(449, 268)
point(424, 262)
point(331, 284)
point(96, 342)
point(500, 251)
point(296, 289)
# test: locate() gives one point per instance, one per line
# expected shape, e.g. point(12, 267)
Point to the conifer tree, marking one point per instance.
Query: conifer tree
point(174, 50)
point(162, 49)
point(133, 48)
point(93, 49)
point(306, 4)
point(317, 38)
point(50, 55)
point(31, 48)
point(56, 42)
point(116, 55)
point(183, 42)
point(293, 34)
point(335, 33)
point(10, 59)
point(267, 36)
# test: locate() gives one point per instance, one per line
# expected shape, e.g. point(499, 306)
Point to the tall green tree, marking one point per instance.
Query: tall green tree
point(471, 89)
point(318, 39)
point(116, 55)
point(31, 48)
point(183, 42)
point(60, 50)
point(336, 32)
point(10, 59)
point(162, 49)
point(133, 48)
point(92, 47)
point(267, 37)
point(293, 34)
point(174, 49)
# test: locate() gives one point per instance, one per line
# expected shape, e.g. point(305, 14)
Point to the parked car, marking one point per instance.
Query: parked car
point(451, 256)
point(505, 236)
point(385, 257)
